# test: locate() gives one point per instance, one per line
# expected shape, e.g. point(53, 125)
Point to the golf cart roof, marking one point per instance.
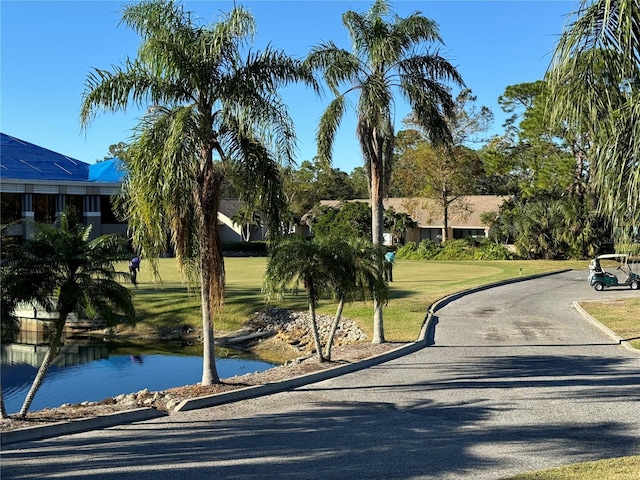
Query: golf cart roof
point(612, 255)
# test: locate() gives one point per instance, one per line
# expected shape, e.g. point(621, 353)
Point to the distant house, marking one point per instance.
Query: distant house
point(229, 230)
point(464, 216)
point(37, 184)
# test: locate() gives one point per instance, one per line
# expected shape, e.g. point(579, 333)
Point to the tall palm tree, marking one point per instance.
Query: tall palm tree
point(387, 57)
point(594, 79)
point(68, 273)
point(214, 113)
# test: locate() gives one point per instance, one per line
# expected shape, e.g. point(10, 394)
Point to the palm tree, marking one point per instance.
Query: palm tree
point(294, 260)
point(398, 224)
point(214, 113)
point(594, 80)
point(21, 281)
point(68, 273)
point(324, 266)
point(387, 57)
point(353, 276)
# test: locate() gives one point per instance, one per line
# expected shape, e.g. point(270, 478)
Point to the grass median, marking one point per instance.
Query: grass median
point(621, 316)
point(623, 468)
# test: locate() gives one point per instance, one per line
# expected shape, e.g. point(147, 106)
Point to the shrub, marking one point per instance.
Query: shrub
point(456, 250)
point(631, 248)
point(492, 251)
point(428, 250)
point(408, 251)
point(462, 249)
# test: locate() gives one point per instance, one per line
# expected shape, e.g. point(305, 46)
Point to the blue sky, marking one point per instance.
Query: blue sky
point(48, 47)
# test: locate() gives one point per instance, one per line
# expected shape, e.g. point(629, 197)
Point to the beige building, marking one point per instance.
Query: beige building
point(464, 216)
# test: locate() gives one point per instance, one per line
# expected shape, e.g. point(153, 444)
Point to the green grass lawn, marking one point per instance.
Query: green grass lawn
point(417, 284)
point(621, 316)
point(624, 468)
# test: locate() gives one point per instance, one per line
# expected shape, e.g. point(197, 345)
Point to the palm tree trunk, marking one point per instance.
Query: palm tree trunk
point(37, 382)
point(211, 266)
point(334, 327)
point(377, 229)
point(52, 352)
point(209, 371)
point(314, 332)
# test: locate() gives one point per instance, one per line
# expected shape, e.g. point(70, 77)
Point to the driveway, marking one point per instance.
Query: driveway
point(516, 380)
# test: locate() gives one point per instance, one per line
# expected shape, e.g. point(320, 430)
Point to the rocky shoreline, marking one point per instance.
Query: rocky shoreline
point(294, 328)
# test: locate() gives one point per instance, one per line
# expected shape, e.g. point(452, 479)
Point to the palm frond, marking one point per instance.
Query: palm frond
point(594, 79)
point(329, 123)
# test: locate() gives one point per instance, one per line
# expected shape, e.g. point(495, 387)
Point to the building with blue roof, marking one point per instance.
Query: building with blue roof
point(37, 184)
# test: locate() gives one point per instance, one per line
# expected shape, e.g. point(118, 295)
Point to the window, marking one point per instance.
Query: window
point(107, 214)
point(468, 233)
point(44, 208)
point(11, 207)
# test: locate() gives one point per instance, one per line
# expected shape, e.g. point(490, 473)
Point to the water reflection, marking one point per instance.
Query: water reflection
point(92, 370)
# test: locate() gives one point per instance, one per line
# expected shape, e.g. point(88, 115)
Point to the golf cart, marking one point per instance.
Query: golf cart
point(599, 278)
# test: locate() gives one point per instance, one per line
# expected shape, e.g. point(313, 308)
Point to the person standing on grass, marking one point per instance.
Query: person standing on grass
point(389, 258)
point(134, 268)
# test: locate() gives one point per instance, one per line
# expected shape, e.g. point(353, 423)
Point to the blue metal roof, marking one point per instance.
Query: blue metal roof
point(107, 171)
point(25, 161)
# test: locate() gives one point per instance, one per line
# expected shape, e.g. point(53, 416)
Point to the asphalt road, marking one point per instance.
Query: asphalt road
point(516, 380)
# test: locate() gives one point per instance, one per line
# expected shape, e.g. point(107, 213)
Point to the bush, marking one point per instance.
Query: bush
point(409, 251)
point(456, 250)
point(631, 248)
point(425, 250)
point(462, 249)
point(492, 251)
point(428, 250)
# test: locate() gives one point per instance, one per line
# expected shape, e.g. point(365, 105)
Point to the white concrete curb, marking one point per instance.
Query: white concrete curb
point(79, 425)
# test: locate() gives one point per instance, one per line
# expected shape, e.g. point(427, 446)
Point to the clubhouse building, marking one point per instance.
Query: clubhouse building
point(37, 184)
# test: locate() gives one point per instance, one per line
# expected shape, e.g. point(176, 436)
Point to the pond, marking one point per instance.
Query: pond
point(94, 372)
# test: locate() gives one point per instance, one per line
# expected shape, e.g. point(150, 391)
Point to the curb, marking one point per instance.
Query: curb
point(295, 382)
point(141, 414)
point(79, 425)
point(621, 341)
